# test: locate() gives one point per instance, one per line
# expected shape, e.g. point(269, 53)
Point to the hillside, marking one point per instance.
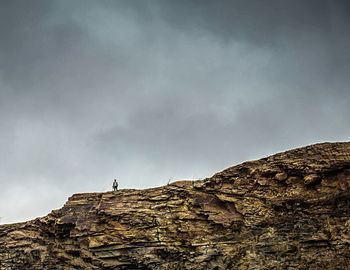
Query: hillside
point(287, 211)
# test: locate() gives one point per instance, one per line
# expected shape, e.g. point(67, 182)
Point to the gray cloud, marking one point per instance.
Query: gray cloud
point(151, 90)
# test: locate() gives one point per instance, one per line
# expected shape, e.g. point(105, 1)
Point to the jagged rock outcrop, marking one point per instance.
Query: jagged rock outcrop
point(287, 211)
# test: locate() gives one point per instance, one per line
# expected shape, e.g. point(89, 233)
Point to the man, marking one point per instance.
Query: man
point(115, 185)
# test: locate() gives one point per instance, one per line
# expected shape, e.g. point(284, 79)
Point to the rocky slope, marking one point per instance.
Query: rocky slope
point(287, 211)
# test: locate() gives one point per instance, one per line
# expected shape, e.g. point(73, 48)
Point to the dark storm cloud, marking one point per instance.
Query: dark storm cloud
point(151, 90)
point(28, 41)
point(311, 29)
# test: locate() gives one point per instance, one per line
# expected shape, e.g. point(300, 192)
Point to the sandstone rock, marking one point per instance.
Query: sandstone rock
point(282, 176)
point(241, 218)
point(311, 179)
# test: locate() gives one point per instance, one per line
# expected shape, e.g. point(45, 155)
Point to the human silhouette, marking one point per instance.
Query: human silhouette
point(115, 185)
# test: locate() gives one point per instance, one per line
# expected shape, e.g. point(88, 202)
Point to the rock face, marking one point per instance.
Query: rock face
point(287, 211)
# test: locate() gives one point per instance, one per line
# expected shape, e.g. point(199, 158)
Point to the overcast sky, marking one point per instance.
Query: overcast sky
point(147, 91)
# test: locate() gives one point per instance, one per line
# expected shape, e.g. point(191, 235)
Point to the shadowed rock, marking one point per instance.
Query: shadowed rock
point(288, 211)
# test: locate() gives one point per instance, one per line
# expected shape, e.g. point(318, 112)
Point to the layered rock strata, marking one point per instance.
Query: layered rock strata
point(288, 211)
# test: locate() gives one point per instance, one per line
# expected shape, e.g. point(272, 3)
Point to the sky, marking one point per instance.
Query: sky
point(155, 91)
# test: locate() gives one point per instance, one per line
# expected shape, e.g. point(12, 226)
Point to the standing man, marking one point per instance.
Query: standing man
point(115, 185)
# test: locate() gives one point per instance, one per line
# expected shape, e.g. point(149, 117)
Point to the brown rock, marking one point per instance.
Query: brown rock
point(282, 176)
point(311, 179)
point(240, 218)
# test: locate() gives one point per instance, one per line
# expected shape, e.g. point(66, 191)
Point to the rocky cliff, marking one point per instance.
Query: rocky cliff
point(288, 211)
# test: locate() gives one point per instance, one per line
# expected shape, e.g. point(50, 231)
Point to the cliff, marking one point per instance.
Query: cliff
point(288, 211)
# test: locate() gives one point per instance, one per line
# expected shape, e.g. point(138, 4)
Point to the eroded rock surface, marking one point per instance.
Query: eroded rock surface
point(287, 211)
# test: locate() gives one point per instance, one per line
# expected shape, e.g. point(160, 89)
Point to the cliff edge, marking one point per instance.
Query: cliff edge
point(288, 211)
